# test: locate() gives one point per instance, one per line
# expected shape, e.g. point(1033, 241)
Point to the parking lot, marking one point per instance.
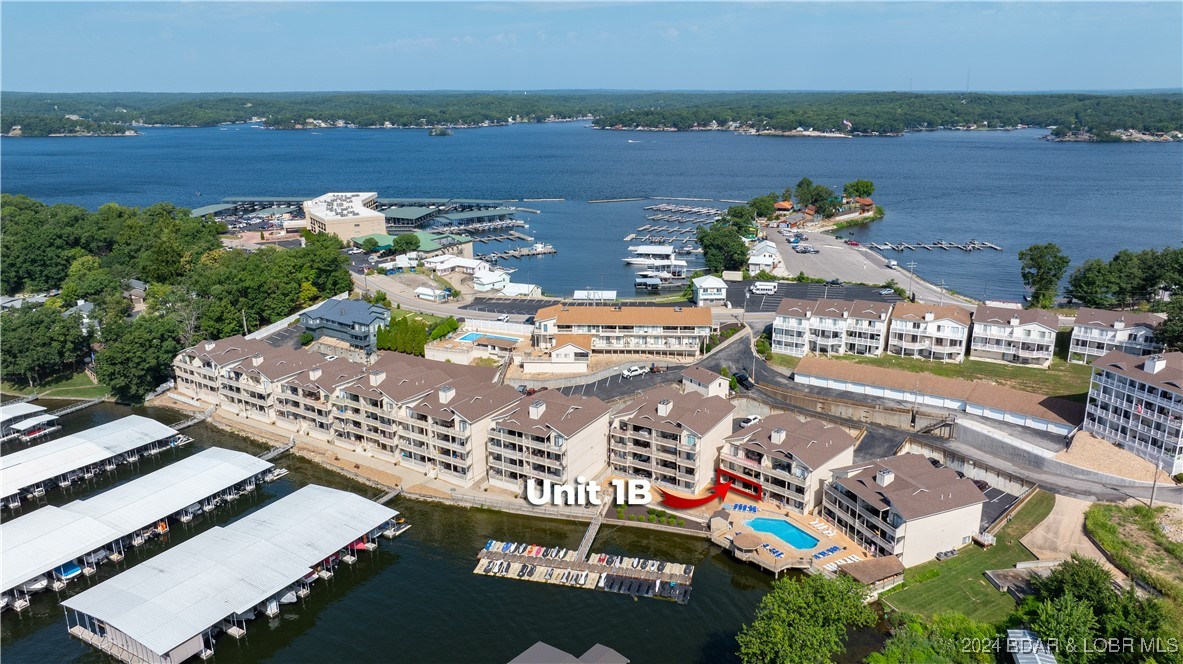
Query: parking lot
point(516, 306)
point(616, 386)
point(737, 294)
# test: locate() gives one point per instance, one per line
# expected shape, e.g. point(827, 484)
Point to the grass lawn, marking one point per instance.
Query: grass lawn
point(786, 362)
point(1061, 379)
point(415, 315)
point(958, 584)
point(76, 386)
point(1132, 537)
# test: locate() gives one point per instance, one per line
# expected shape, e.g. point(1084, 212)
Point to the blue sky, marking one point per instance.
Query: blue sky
point(225, 46)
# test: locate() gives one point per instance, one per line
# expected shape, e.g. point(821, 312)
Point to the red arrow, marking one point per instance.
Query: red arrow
point(681, 502)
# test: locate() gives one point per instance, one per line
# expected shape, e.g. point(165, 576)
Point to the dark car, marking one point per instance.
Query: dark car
point(834, 282)
point(744, 382)
point(982, 486)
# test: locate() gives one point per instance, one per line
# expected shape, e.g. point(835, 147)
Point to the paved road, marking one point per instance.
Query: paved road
point(617, 386)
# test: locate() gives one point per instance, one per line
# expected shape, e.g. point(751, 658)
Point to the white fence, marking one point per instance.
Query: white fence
point(516, 329)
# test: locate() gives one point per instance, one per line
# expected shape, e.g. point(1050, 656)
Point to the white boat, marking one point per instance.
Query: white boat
point(249, 614)
point(274, 474)
point(34, 585)
point(95, 557)
point(650, 255)
point(288, 596)
point(4, 602)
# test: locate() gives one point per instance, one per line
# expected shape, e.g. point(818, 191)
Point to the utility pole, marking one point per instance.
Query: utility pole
point(911, 273)
point(244, 330)
point(942, 291)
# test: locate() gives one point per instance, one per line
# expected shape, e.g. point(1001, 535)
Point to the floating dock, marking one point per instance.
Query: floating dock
point(30, 473)
point(619, 574)
point(75, 538)
point(174, 606)
point(972, 245)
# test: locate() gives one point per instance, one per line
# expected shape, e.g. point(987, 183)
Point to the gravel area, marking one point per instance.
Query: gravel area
point(1088, 451)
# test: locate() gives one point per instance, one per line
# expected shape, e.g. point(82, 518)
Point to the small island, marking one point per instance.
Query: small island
point(440, 131)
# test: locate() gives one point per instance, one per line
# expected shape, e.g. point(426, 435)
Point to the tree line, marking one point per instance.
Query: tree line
point(195, 288)
point(881, 112)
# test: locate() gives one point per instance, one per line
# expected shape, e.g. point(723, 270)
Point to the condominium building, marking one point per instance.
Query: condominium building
point(1097, 332)
point(356, 322)
point(549, 436)
point(660, 331)
point(1014, 336)
point(787, 461)
point(1137, 402)
point(903, 506)
point(198, 369)
point(671, 438)
point(929, 331)
point(304, 401)
point(249, 388)
point(345, 215)
point(831, 327)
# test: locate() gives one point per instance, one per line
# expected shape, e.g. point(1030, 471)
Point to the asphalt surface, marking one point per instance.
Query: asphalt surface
point(617, 386)
point(739, 296)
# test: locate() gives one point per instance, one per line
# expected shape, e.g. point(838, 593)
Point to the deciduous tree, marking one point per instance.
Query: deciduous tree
point(1042, 267)
point(804, 620)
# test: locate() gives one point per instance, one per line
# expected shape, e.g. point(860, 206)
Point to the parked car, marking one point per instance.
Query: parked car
point(834, 282)
point(853, 243)
point(744, 382)
point(981, 484)
point(887, 291)
point(503, 318)
point(749, 421)
point(633, 372)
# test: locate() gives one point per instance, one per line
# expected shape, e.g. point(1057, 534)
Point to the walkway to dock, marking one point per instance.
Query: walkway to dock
point(73, 408)
point(276, 451)
point(388, 496)
point(972, 245)
point(25, 399)
point(195, 419)
point(589, 537)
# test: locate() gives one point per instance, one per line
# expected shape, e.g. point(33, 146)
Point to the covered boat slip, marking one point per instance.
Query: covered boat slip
point(45, 539)
point(59, 461)
point(167, 609)
point(13, 414)
point(36, 426)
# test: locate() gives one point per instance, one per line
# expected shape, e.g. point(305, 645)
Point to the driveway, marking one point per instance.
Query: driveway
point(1061, 534)
point(617, 386)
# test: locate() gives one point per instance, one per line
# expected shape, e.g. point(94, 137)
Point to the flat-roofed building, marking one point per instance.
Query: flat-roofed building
point(670, 437)
point(356, 322)
point(659, 331)
point(549, 436)
point(928, 331)
point(830, 327)
point(786, 460)
point(345, 215)
point(1137, 402)
point(903, 506)
point(408, 216)
point(1097, 332)
point(1014, 336)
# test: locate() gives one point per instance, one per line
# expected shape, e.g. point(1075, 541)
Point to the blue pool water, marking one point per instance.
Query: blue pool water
point(785, 531)
point(473, 336)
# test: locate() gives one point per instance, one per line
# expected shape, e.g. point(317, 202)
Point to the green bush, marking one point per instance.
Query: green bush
point(652, 519)
point(632, 517)
point(305, 338)
point(619, 512)
point(681, 522)
point(1179, 478)
point(651, 511)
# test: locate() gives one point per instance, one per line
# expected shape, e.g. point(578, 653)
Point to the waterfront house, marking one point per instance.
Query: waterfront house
point(787, 461)
point(447, 264)
point(1097, 332)
point(763, 256)
point(248, 388)
point(521, 290)
point(865, 205)
point(656, 331)
point(345, 215)
point(304, 401)
point(431, 294)
point(709, 291)
point(832, 327)
point(703, 381)
point(548, 436)
point(928, 331)
point(1014, 336)
point(670, 438)
point(1137, 402)
point(903, 506)
point(356, 322)
point(490, 280)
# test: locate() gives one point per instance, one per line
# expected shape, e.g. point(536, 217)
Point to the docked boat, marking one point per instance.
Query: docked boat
point(650, 256)
point(274, 474)
point(288, 596)
point(96, 557)
point(67, 571)
point(34, 585)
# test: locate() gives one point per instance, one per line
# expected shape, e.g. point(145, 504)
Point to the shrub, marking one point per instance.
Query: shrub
point(305, 338)
point(1179, 478)
point(681, 522)
point(632, 517)
point(652, 519)
point(651, 511)
point(619, 512)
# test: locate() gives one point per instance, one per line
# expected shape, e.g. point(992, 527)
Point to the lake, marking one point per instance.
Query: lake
point(1004, 187)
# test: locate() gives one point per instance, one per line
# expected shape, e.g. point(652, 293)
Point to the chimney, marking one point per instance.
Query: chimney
point(209, 345)
point(314, 373)
point(376, 377)
point(1119, 324)
point(537, 408)
point(256, 360)
point(884, 476)
point(928, 315)
point(1014, 320)
point(446, 393)
point(1154, 364)
point(664, 407)
point(778, 436)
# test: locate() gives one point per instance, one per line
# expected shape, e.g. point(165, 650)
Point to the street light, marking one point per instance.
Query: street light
point(911, 274)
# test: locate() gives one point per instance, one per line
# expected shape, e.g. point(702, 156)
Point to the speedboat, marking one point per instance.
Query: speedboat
point(67, 571)
point(34, 585)
point(288, 596)
point(96, 557)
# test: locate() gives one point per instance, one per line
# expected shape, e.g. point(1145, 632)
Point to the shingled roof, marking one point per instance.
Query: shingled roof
point(812, 442)
point(917, 488)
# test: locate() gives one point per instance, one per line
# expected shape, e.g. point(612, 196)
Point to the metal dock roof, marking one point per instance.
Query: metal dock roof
point(40, 541)
point(163, 602)
point(17, 410)
point(210, 209)
point(33, 421)
point(477, 214)
point(57, 457)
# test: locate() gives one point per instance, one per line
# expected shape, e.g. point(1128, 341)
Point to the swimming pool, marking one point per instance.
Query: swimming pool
point(473, 336)
point(785, 531)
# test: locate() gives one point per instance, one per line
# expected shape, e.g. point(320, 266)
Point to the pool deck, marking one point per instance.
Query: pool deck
point(793, 558)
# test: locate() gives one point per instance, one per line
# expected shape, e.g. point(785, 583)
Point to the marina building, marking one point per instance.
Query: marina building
point(79, 456)
point(549, 436)
point(705, 382)
point(670, 437)
point(1097, 332)
point(830, 327)
point(356, 322)
point(345, 215)
point(930, 332)
point(70, 541)
point(903, 506)
point(657, 331)
point(409, 216)
point(709, 291)
point(1014, 336)
point(1137, 402)
point(167, 610)
point(787, 461)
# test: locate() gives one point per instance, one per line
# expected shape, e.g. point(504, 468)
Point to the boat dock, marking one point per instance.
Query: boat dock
point(276, 451)
point(520, 252)
point(619, 574)
point(200, 417)
point(31, 472)
point(512, 235)
point(972, 245)
point(478, 226)
point(685, 209)
point(71, 541)
point(679, 219)
point(174, 606)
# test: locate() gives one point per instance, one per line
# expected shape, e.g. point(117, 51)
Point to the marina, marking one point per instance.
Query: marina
point(636, 577)
point(972, 245)
point(685, 209)
point(29, 473)
point(219, 581)
point(17, 417)
point(68, 541)
point(538, 249)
